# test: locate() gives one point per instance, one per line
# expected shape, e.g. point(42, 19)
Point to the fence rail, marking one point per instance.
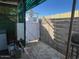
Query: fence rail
point(60, 32)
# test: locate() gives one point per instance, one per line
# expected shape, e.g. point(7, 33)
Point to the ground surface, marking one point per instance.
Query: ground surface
point(41, 51)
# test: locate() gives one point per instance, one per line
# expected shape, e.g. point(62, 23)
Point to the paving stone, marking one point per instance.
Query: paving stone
point(42, 51)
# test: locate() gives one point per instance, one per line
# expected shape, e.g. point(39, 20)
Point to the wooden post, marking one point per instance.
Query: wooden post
point(70, 29)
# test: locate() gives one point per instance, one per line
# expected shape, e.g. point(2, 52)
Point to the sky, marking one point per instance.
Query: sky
point(51, 7)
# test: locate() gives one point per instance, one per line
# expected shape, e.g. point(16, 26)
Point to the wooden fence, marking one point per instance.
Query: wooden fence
point(59, 31)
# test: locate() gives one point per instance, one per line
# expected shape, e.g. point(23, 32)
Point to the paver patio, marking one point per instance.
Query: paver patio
point(41, 50)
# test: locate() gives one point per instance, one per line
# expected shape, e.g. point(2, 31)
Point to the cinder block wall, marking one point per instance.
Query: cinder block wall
point(59, 32)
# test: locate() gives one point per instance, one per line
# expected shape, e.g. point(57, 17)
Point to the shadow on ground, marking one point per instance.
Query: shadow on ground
point(46, 38)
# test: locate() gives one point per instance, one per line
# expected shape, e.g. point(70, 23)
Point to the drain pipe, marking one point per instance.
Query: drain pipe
point(70, 29)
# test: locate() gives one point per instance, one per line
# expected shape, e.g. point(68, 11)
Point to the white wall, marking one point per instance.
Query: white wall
point(32, 31)
point(20, 31)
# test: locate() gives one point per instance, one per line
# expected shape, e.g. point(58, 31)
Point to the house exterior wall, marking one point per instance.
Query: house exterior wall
point(7, 32)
